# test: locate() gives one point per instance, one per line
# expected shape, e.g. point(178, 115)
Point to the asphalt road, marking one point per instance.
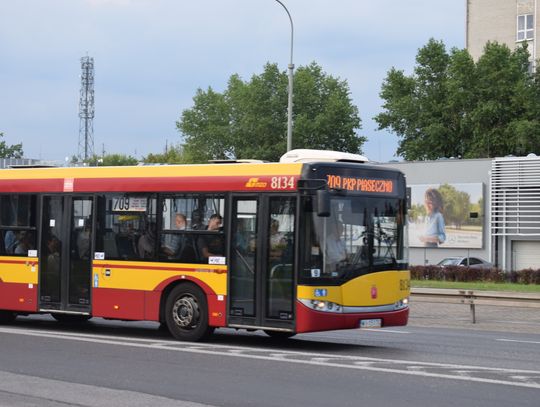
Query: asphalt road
point(106, 363)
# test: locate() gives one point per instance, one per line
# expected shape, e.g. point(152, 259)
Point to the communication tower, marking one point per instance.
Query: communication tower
point(86, 110)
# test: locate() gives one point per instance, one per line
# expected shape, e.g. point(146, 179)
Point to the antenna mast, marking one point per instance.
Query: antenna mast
point(86, 110)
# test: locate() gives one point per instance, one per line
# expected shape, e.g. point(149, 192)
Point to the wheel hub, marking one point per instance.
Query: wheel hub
point(186, 312)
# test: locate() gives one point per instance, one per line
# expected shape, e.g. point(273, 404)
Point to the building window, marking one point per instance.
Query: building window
point(525, 27)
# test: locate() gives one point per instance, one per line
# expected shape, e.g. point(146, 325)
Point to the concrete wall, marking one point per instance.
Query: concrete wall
point(495, 20)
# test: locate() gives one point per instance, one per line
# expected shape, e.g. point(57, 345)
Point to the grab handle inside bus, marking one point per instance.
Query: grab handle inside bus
point(323, 203)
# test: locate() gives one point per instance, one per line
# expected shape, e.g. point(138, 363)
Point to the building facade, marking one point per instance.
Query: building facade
point(18, 162)
point(491, 209)
point(509, 22)
point(515, 211)
point(466, 233)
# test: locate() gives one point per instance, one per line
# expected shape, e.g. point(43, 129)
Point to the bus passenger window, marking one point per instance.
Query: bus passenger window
point(127, 226)
point(17, 224)
point(212, 245)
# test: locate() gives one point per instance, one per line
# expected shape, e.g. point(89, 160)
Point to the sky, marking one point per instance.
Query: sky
point(151, 56)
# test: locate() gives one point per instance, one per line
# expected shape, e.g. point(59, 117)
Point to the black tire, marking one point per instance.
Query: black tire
point(7, 317)
point(71, 318)
point(186, 313)
point(279, 335)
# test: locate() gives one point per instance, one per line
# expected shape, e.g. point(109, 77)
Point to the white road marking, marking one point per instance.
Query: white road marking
point(522, 378)
point(384, 330)
point(518, 341)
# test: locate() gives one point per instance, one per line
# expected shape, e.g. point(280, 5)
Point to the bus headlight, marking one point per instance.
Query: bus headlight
point(324, 306)
point(403, 303)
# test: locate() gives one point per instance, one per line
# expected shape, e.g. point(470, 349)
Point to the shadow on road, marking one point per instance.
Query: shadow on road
point(336, 342)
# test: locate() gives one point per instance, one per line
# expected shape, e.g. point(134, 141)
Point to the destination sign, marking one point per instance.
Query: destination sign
point(360, 184)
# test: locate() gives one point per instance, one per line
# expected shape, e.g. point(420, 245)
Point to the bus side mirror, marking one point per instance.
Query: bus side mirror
point(323, 203)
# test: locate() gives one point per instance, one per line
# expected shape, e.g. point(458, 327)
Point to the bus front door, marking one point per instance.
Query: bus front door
point(65, 261)
point(261, 277)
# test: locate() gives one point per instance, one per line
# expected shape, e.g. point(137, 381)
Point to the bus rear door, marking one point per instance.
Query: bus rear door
point(65, 253)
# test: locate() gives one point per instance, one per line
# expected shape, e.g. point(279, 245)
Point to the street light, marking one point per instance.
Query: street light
point(291, 69)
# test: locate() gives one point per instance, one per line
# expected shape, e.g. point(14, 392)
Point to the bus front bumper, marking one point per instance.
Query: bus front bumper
point(309, 320)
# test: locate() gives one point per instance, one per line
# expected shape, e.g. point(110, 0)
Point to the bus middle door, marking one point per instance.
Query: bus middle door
point(261, 272)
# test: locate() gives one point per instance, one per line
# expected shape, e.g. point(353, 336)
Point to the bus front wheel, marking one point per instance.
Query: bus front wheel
point(7, 317)
point(186, 313)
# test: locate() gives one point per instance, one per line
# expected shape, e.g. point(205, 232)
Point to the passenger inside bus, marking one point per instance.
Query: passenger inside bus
point(278, 243)
point(180, 247)
point(244, 238)
point(83, 241)
point(26, 242)
point(172, 242)
point(212, 245)
point(147, 242)
point(335, 246)
point(10, 241)
point(53, 257)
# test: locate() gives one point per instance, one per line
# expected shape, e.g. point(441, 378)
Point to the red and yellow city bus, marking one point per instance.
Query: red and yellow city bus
point(313, 243)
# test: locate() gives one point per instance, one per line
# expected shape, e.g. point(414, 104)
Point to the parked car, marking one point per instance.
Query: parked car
point(473, 262)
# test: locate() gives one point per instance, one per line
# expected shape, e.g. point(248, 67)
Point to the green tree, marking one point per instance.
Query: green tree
point(457, 205)
point(113, 160)
point(249, 119)
point(171, 155)
point(416, 212)
point(502, 86)
point(452, 106)
point(10, 151)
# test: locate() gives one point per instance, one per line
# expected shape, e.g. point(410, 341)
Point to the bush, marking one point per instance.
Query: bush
point(460, 273)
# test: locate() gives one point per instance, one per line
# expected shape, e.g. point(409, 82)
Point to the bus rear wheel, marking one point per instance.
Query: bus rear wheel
point(186, 313)
point(7, 317)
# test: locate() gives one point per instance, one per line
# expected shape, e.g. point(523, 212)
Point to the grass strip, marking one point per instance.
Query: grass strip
point(524, 288)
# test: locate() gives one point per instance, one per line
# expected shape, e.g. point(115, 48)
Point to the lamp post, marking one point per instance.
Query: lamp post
point(291, 69)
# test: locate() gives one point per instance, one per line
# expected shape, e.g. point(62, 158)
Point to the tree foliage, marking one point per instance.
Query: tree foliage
point(10, 151)
point(171, 155)
point(457, 205)
point(249, 119)
point(112, 160)
point(452, 106)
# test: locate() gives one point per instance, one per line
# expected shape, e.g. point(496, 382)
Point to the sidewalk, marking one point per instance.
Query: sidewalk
point(489, 318)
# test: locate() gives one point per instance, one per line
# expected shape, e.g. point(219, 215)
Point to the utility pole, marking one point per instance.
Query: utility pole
point(290, 91)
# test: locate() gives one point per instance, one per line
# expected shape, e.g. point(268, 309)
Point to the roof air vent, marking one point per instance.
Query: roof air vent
point(307, 155)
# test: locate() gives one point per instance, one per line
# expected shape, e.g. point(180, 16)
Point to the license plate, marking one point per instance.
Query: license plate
point(370, 323)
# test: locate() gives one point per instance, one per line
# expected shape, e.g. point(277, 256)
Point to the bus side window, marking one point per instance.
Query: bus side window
point(17, 224)
point(127, 226)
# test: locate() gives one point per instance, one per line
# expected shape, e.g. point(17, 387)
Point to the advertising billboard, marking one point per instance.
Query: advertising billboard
point(446, 216)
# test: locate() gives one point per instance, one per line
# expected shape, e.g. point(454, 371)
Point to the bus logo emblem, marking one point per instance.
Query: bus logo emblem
point(255, 183)
point(373, 291)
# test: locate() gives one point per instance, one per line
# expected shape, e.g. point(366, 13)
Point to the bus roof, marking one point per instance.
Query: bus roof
point(305, 155)
point(195, 177)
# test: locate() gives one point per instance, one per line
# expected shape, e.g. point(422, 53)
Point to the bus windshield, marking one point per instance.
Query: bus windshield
point(360, 236)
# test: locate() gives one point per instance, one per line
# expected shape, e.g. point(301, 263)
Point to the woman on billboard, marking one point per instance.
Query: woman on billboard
point(435, 232)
